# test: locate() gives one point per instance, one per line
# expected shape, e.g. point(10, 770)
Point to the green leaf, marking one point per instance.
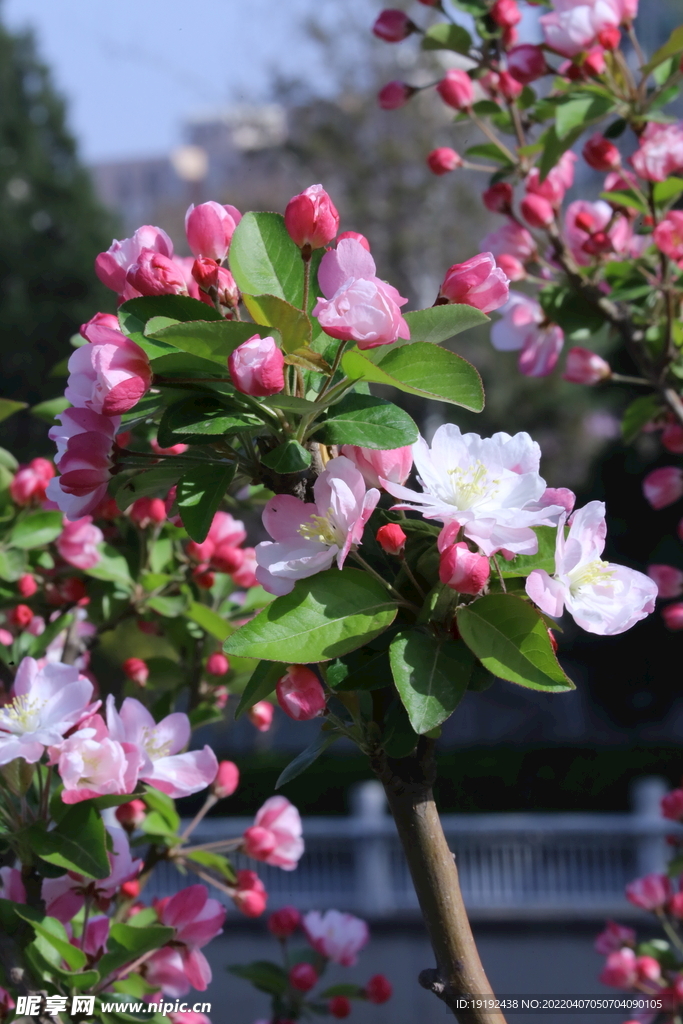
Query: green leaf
point(573, 314)
point(272, 311)
point(522, 565)
point(8, 407)
point(13, 564)
point(134, 314)
point(127, 943)
point(324, 617)
point(261, 684)
point(369, 422)
point(200, 492)
point(343, 989)
point(54, 932)
point(156, 481)
point(210, 621)
point(580, 110)
point(306, 758)
point(78, 843)
point(511, 640)
point(163, 805)
point(265, 261)
point(626, 197)
point(216, 861)
point(638, 413)
point(671, 47)
point(264, 975)
point(439, 323)
point(489, 151)
point(443, 36)
point(211, 341)
point(37, 530)
point(431, 676)
point(289, 457)
point(8, 460)
point(169, 607)
point(420, 369)
point(365, 669)
point(204, 414)
point(112, 567)
point(665, 190)
point(398, 736)
point(554, 147)
point(485, 108)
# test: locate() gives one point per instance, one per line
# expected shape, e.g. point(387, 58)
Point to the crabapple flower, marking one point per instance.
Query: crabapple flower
point(585, 367)
point(506, 13)
point(463, 570)
point(601, 154)
point(555, 184)
point(573, 26)
point(209, 228)
point(260, 715)
point(498, 197)
point(131, 815)
point(45, 703)
point(27, 585)
point(537, 211)
point(391, 538)
point(456, 89)
point(394, 95)
point(311, 218)
point(77, 543)
point(650, 892)
point(587, 230)
point(601, 597)
point(162, 766)
point(443, 159)
point(672, 805)
point(227, 780)
point(303, 977)
point(245, 576)
point(257, 367)
point(30, 482)
point(669, 581)
point(300, 694)
point(620, 969)
point(217, 664)
point(511, 240)
point(358, 306)
point(136, 670)
point(663, 486)
point(91, 764)
point(668, 235)
point(309, 537)
point(339, 1006)
point(673, 616)
point(196, 919)
point(284, 922)
point(378, 464)
point(613, 938)
point(250, 894)
point(488, 485)
point(275, 836)
point(147, 511)
point(109, 375)
point(112, 266)
point(526, 63)
point(156, 274)
point(337, 936)
point(11, 885)
point(378, 990)
point(523, 327)
point(65, 896)
point(393, 26)
point(477, 282)
point(220, 549)
point(84, 442)
point(660, 152)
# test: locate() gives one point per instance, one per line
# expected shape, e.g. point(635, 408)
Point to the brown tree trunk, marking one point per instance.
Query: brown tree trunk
point(459, 973)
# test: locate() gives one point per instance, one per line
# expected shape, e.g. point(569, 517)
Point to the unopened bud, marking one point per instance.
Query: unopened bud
point(217, 664)
point(585, 367)
point(463, 570)
point(443, 159)
point(227, 780)
point(136, 670)
point(131, 815)
point(300, 694)
point(391, 538)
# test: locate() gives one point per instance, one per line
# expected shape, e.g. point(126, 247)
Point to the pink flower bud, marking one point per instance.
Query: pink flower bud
point(303, 977)
point(391, 538)
point(477, 282)
point(6, 638)
point(609, 37)
point(594, 62)
point(26, 585)
point(148, 512)
point(378, 989)
point(392, 26)
point(381, 465)
point(672, 438)
point(650, 892)
point(20, 616)
point(156, 274)
point(136, 670)
point(30, 481)
point(258, 842)
point(339, 1006)
point(613, 938)
point(227, 779)
point(673, 616)
point(209, 228)
point(675, 907)
point(217, 664)
point(175, 449)
point(669, 580)
point(526, 63)
point(456, 89)
point(620, 969)
point(261, 715)
point(537, 211)
point(250, 894)
point(443, 159)
point(498, 198)
point(356, 236)
point(506, 13)
point(131, 815)
point(668, 235)
point(257, 367)
point(648, 968)
point(663, 486)
point(601, 154)
point(394, 95)
point(509, 86)
point(300, 694)
point(284, 922)
point(585, 367)
point(672, 805)
point(463, 570)
point(311, 218)
point(36, 626)
point(512, 267)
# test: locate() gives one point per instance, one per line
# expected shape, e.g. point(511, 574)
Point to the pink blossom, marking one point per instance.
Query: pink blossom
point(585, 367)
point(586, 230)
point(509, 86)
point(131, 815)
point(250, 894)
point(30, 481)
point(523, 327)
point(136, 670)
point(377, 464)
point(221, 548)
point(227, 780)
point(669, 581)
point(526, 63)
point(392, 26)
point(337, 936)
point(356, 235)
point(188, 1017)
point(574, 24)
point(159, 744)
point(663, 486)
point(602, 598)
point(613, 938)
point(668, 235)
point(111, 266)
point(477, 282)
point(311, 218)
point(260, 715)
point(620, 969)
point(275, 836)
point(257, 366)
point(537, 211)
point(85, 470)
point(284, 922)
point(81, 421)
point(456, 89)
point(650, 892)
point(308, 538)
point(378, 989)
point(156, 274)
point(557, 181)
point(12, 885)
point(672, 615)
point(196, 919)
point(303, 977)
point(505, 13)
point(91, 764)
point(660, 153)
point(146, 512)
point(463, 570)
point(498, 197)
point(511, 267)
point(394, 95)
point(65, 896)
point(358, 306)
point(209, 228)
point(245, 576)
point(443, 159)
point(77, 543)
point(512, 240)
point(217, 664)
point(672, 805)
point(45, 703)
point(94, 940)
point(300, 694)
point(601, 154)
point(110, 375)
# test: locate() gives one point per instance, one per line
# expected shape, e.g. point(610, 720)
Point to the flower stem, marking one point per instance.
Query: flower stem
point(385, 583)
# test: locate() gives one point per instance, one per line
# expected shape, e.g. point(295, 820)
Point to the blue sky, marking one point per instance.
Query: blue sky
point(133, 69)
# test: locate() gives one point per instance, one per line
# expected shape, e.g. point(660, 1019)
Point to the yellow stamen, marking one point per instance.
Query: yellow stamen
point(472, 484)
point(322, 529)
point(595, 572)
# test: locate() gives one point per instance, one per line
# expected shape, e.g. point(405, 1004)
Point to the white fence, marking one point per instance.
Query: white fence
point(533, 865)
